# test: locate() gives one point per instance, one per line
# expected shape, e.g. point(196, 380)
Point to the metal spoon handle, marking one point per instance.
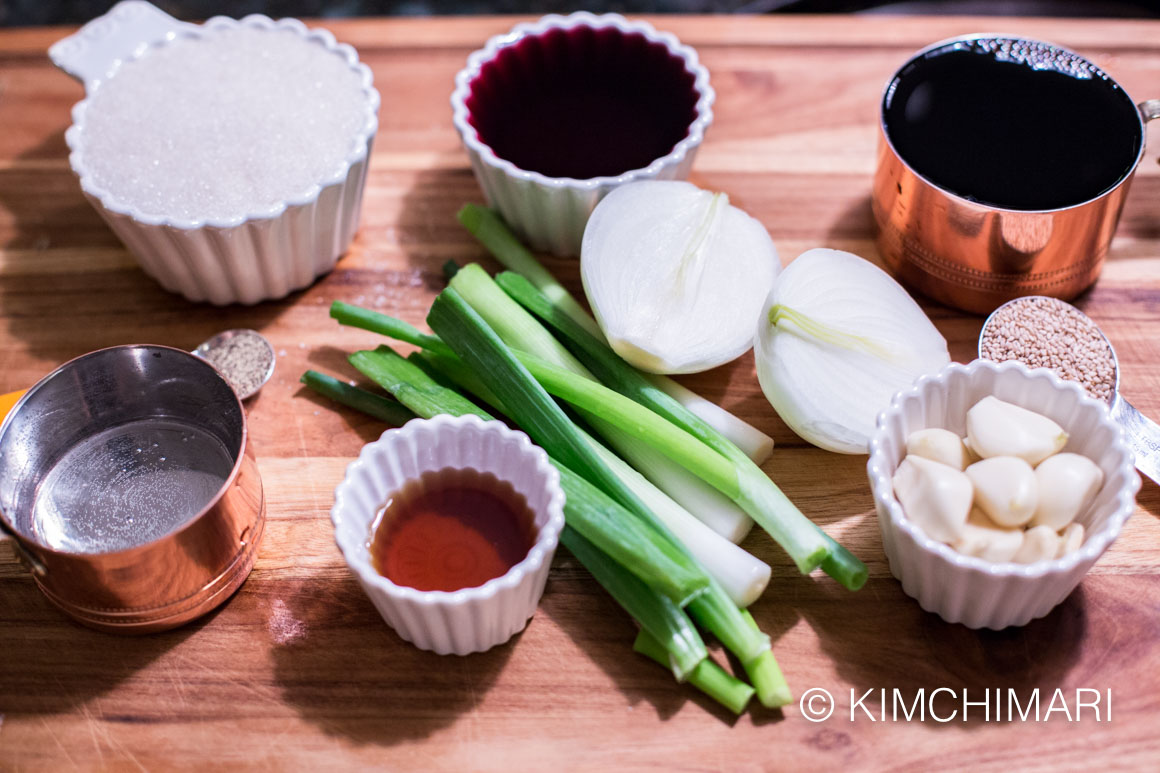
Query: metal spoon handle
point(1143, 436)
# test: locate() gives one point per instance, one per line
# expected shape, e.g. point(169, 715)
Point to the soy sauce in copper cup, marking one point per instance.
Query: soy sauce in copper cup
point(130, 489)
point(1003, 165)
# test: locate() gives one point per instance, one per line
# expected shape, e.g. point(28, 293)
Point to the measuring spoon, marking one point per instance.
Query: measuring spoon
point(1141, 433)
point(247, 387)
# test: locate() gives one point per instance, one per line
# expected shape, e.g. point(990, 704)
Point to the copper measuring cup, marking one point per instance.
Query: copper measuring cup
point(160, 573)
point(977, 256)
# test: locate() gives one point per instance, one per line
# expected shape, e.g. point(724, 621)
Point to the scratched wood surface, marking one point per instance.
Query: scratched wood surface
point(297, 671)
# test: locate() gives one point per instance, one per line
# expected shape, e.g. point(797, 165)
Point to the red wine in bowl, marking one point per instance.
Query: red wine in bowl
point(583, 102)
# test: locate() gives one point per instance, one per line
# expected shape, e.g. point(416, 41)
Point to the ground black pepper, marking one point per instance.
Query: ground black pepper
point(244, 360)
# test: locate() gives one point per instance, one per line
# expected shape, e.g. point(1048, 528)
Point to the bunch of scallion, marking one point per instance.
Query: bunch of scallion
point(524, 348)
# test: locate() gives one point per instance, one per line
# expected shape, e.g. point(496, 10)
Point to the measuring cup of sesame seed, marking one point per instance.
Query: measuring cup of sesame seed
point(243, 357)
point(1044, 332)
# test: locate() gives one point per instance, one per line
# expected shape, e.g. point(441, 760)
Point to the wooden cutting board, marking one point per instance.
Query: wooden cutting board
point(297, 671)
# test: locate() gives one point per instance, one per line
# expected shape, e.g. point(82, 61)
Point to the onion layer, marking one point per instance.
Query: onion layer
point(675, 275)
point(837, 338)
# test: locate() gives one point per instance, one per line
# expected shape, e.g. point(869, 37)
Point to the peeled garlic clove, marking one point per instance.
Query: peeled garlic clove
point(1071, 540)
point(938, 445)
point(934, 496)
point(982, 538)
point(1040, 543)
point(1067, 483)
point(1005, 489)
point(996, 428)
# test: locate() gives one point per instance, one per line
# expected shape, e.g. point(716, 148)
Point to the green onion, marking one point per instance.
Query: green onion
point(411, 386)
point(742, 576)
point(760, 497)
point(390, 411)
point(664, 620)
point(365, 319)
point(766, 676)
point(537, 414)
point(487, 227)
point(491, 231)
point(629, 542)
point(515, 326)
point(704, 502)
point(708, 677)
point(839, 563)
point(460, 327)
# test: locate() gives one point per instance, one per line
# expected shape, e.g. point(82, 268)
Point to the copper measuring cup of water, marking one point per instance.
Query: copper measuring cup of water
point(143, 578)
point(975, 256)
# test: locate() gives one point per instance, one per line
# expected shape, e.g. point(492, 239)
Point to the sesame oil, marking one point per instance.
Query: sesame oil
point(451, 529)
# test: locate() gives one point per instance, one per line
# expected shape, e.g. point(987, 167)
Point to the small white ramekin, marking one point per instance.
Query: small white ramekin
point(550, 213)
point(969, 590)
point(472, 619)
point(260, 255)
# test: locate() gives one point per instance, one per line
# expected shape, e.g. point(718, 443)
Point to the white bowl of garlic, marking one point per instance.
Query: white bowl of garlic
point(993, 522)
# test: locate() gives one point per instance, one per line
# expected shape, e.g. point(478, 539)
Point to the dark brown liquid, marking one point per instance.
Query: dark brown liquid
point(1013, 124)
point(583, 102)
point(451, 529)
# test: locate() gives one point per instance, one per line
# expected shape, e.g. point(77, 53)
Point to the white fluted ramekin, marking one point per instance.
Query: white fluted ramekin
point(260, 255)
point(969, 590)
point(550, 213)
point(471, 619)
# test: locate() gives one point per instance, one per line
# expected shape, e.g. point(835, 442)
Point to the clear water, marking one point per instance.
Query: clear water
point(128, 485)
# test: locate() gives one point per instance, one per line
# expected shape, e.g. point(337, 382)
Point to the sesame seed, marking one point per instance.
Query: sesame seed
point(1049, 333)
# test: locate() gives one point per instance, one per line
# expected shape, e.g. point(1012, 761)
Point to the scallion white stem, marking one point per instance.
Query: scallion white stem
point(706, 503)
point(742, 575)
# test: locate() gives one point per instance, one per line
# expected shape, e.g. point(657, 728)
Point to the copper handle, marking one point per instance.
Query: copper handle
point(1149, 109)
point(32, 562)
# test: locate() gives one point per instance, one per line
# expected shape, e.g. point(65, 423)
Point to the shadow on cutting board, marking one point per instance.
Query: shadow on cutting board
point(62, 262)
point(342, 668)
point(430, 235)
point(51, 664)
point(593, 621)
point(881, 639)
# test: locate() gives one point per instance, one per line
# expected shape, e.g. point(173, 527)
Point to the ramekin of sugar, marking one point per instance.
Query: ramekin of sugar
point(229, 157)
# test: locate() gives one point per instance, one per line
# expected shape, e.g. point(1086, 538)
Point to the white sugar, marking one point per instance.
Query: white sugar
point(217, 127)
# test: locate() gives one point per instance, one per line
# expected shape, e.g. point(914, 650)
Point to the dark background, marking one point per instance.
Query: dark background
point(27, 12)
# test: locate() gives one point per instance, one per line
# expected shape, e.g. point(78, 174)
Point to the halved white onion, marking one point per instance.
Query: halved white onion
point(836, 339)
point(675, 275)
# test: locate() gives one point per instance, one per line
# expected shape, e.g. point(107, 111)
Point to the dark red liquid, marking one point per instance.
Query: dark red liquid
point(452, 529)
point(583, 102)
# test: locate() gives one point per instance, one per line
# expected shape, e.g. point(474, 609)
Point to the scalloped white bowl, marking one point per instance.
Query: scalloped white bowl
point(259, 255)
point(549, 213)
point(968, 590)
point(471, 619)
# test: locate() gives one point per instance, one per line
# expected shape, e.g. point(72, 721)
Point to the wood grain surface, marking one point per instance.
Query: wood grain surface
point(298, 671)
